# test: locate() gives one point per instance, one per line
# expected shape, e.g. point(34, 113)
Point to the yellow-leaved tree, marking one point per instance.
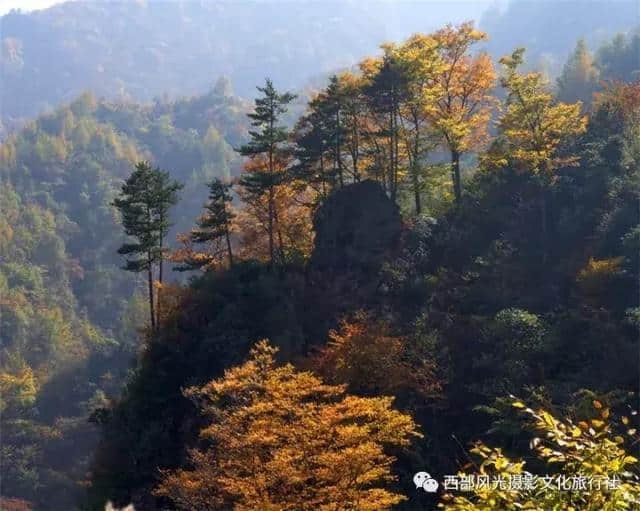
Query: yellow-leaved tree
point(281, 439)
point(533, 124)
point(590, 468)
point(461, 114)
point(534, 130)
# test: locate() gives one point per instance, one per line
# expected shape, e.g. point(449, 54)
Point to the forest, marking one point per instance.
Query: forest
point(428, 263)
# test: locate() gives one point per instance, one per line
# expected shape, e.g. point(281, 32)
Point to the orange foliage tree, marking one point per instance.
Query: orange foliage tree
point(288, 207)
point(280, 439)
point(366, 356)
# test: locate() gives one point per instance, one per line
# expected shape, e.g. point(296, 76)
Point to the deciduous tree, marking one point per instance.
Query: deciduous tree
point(590, 451)
point(283, 440)
point(462, 111)
point(534, 128)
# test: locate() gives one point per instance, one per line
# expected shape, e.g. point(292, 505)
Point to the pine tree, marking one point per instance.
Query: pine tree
point(144, 204)
point(332, 102)
point(385, 92)
point(579, 78)
point(352, 120)
point(266, 146)
point(311, 150)
point(214, 226)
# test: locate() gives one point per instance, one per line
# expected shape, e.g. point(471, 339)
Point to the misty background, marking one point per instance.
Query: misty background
point(138, 50)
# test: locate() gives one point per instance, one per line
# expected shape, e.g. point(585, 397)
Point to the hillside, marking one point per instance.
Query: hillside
point(435, 242)
point(70, 316)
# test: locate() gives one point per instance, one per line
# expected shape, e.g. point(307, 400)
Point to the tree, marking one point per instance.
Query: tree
point(332, 104)
point(463, 109)
point(589, 451)
point(579, 78)
point(534, 128)
point(144, 204)
point(267, 148)
point(213, 227)
point(311, 148)
point(327, 137)
point(352, 119)
point(618, 59)
point(385, 90)
point(366, 356)
point(421, 65)
point(282, 440)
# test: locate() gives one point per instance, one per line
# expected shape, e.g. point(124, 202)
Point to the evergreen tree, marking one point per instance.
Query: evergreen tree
point(266, 147)
point(144, 204)
point(332, 101)
point(311, 147)
point(352, 120)
point(215, 225)
point(618, 59)
point(579, 78)
point(385, 92)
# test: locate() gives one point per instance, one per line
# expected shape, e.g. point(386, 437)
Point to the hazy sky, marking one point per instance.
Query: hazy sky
point(30, 5)
point(25, 5)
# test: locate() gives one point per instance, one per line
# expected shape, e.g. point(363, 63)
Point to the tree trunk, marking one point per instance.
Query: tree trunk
point(338, 158)
point(416, 189)
point(396, 150)
point(228, 238)
point(543, 218)
point(150, 282)
point(392, 190)
point(455, 175)
point(415, 168)
point(160, 267)
point(355, 155)
point(279, 233)
point(270, 227)
point(323, 177)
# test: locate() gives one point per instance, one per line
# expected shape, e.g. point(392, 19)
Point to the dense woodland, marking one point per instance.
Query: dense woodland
point(431, 263)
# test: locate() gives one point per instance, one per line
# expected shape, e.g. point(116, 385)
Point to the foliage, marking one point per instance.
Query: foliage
point(144, 204)
point(617, 59)
point(68, 314)
point(265, 170)
point(213, 228)
point(532, 125)
point(459, 307)
point(462, 111)
point(588, 452)
point(579, 78)
point(370, 360)
point(282, 439)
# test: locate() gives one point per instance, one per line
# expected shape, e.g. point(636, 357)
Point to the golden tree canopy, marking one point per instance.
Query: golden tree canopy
point(282, 440)
point(534, 126)
point(463, 108)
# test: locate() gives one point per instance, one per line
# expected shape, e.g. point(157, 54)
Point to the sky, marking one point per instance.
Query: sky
point(26, 5)
point(31, 5)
